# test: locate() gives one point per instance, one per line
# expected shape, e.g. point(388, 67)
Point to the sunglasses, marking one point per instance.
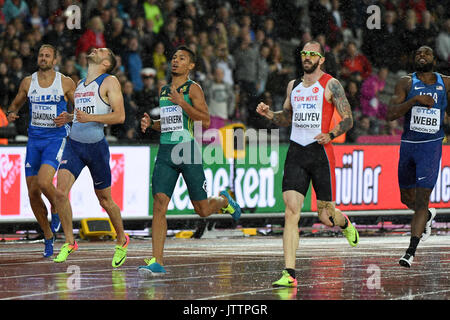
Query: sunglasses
point(311, 54)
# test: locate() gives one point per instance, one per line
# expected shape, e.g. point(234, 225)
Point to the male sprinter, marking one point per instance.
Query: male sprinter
point(309, 107)
point(87, 146)
point(182, 102)
point(47, 92)
point(422, 97)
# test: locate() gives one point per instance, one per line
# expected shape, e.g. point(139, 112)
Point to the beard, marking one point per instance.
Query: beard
point(427, 67)
point(312, 68)
point(45, 68)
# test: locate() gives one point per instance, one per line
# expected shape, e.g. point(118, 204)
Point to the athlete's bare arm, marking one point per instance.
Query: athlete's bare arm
point(281, 118)
point(398, 105)
point(342, 106)
point(199, 109)
point(20, 99)
point(69, 87)
point(111, 93)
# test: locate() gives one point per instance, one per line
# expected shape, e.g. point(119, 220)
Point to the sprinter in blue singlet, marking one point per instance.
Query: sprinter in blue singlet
point(422, 98)
point(98, 101)
point(47, 92)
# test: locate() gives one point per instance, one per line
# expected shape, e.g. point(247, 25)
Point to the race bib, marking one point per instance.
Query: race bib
point(306, 117)
point(171, 118)
point(42, 115)
point(425, 120)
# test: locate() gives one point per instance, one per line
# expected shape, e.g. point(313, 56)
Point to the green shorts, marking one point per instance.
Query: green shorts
point(170, 162)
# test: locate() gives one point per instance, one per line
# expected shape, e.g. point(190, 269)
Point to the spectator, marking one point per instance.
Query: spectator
point(168, 36)
point(220, 99)
point(146, 38)
point(204, 64)
point(355, 65)
point(160, 61)
point(443, 46)
point(28, 59)
point(333, 57)
point(224, 60)
point(127, 130)
point(93, 37)
point(279, 75)
point(15, 9)
point(60, 37)
point(153, 13)
point(117, 38)
point(386, 46)
point(319, 11)
point(82, 65)
point(409, 39)
point(35, 20)
point(263, 70)
point(7, 87)
point(148, 102)
point(362, 128)
point(246, 57)
point(70, 70)
point(393, 128)
point(133, 63)
point(371, 104)
point(428, 30)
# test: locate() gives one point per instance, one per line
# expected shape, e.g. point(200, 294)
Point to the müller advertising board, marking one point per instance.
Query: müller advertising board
point(366, 179)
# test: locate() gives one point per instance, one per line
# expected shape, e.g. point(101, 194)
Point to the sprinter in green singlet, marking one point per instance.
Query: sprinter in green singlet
point(182, 103)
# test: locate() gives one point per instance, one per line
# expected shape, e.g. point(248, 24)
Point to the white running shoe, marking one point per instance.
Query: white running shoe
point(406, 260)
point(427, 232)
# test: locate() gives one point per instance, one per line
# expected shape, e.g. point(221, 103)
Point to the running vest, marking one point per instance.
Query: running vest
point(176, 125)
point(45, 104)
point(88, 99)
point(422, 123)
point(311, 112)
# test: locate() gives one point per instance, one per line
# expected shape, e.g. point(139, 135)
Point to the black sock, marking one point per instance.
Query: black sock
point(413, 245)
point(429, 215)
point(291, 272)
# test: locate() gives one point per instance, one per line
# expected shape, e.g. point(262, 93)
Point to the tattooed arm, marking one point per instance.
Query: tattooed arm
point(280, 118)
point(337, 92)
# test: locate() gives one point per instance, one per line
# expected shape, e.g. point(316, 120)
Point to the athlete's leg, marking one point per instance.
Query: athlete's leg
point(106, 201)
point(159, 225)
point(38, 206)
point(408, 197)
point(45, 182)
point(65, 182)
point(293, 201)
point(205, 208)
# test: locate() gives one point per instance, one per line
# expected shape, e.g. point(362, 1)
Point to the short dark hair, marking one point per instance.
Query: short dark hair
point(112, 60)
point(322, 49)
point(49, 46)
point(192, 55)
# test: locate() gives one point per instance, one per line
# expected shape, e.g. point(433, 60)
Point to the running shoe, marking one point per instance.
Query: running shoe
point(152, 268)
point(66, 249)
point(120, 255)
point(427, 232)
point(351, 233)
point(55, 225)
point(48, 251)
point(406, 260)
point(285, 281)
point(233, 207)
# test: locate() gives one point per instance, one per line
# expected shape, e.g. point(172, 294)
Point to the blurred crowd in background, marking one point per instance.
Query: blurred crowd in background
point(247, 51)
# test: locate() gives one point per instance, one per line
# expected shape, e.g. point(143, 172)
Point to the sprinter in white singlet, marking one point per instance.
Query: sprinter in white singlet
point(98, 101)
point(47, 92)
point(309, 107)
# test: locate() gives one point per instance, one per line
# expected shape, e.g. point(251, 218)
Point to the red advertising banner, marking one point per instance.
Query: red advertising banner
point(10, 171)
point(366, 178)
point(117, 178)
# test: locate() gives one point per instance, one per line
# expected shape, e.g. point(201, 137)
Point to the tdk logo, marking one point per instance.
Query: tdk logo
point(170, 109)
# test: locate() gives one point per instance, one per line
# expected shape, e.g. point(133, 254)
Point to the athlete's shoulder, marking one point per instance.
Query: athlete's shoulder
point(67, 82)
point(446, 80)
point(25, 83)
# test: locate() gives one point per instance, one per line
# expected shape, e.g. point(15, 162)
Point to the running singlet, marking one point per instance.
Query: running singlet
point(176, 126)
point(311, 112)
point(45, 105)
point(422, 123)
point(88, 99)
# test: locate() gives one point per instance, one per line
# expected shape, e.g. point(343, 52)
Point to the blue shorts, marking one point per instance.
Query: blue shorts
point(43, 151)
point(419, 164)
point(95, 156)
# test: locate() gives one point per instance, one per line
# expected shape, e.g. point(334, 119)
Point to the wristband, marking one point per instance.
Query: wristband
point(332, 136)
point(8, 113)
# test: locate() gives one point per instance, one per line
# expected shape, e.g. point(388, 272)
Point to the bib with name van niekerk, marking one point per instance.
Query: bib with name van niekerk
point(176, 125)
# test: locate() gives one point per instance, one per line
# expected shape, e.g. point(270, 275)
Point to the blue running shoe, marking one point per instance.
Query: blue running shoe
point(152, 268)
point(48, 251)
point(233, 208)
point(55, 225)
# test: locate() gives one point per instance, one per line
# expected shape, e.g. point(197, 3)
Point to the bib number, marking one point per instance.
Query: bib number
point(425, 120)
point(42, 115)
point(171, 118)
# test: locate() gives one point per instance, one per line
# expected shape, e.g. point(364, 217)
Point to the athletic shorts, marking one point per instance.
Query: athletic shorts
point(419, 164)
point(312, 163)
point(95, 156)
point(43, 151)
point(173, 159)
